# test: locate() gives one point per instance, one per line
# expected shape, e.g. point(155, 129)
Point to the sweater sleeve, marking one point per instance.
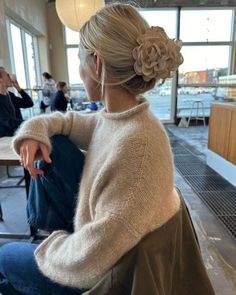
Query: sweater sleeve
point(82, 258)
point(78, 128)
point(25, 101)
point(123, 206)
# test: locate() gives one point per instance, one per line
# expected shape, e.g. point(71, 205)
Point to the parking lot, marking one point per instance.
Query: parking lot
point(161, 104)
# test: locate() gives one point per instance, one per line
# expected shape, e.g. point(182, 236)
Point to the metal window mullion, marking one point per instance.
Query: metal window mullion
point(36, 60)
point(232, 52)
point(218, 43)
point(10, 45)
point(72, 46)
point(25, 58)
point(176, 77)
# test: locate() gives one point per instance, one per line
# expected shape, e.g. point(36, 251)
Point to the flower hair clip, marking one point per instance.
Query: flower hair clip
point(156, 56)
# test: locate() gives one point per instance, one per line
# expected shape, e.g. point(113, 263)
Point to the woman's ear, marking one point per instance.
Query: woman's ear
point(98, 65)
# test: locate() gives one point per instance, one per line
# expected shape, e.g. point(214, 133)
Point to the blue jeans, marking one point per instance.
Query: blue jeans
point(19, 273)
point(52, 196)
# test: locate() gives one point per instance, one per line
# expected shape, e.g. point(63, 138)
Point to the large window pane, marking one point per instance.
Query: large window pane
point(25, 63)
point(205, 25)
point(18, 55)
point(31, 59)
point(160, 98)
point(72, 37)
point(162, 18)
point(73, 66)
point(204, 64)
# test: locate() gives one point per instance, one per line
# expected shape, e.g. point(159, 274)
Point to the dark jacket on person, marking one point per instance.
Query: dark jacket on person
point(166, 262)
point(59, 102)
point(10, 114)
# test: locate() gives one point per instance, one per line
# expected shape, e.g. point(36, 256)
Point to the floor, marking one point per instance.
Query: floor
point(217, 244)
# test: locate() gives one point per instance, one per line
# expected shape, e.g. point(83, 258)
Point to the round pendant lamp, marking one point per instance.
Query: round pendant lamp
point(74, 13)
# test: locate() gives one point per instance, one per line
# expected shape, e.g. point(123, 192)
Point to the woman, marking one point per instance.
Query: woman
point(59, 100)
point(49, 89)
point(127, 185)
point(10, 104)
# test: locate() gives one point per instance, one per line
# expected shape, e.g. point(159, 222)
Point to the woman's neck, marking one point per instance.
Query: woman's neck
point(118, 100)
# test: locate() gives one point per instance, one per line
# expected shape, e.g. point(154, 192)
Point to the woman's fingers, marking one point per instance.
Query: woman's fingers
point(28, 152)
point(29, 163)
point(45, 153)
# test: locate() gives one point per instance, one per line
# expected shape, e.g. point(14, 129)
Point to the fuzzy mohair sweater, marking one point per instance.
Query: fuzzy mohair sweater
point(126, 191)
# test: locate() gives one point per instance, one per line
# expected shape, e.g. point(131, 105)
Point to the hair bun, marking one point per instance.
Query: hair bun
point(156, 56)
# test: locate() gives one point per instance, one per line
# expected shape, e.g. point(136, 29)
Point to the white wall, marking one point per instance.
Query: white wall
point(30, 14)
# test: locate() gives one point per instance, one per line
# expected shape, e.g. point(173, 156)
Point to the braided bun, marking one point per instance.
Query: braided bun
point(156, 56)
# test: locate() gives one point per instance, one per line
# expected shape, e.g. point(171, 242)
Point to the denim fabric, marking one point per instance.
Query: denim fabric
point(19, 273)
point(50, 206)
point(52, 196)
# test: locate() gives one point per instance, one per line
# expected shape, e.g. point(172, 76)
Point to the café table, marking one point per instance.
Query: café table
point(9, 158)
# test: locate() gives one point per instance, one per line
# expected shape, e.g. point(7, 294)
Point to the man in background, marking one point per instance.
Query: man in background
point(10, 104)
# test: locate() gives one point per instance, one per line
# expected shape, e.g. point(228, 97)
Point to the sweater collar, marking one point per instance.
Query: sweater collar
point(143, 105)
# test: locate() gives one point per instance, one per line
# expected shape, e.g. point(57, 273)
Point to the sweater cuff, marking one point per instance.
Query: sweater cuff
point(17, 141)
point(49, 240)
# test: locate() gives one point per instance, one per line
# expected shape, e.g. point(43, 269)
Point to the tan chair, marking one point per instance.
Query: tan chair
point(166, 262)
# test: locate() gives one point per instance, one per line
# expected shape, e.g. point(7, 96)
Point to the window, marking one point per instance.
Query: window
point(207, 49)
point(205, 25)
point(24, 61)
point(161, 97)
point(23, 48)
point(18, 55)
point(72, 41)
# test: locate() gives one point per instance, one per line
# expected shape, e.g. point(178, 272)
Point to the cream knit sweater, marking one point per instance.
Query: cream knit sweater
point(126, 191)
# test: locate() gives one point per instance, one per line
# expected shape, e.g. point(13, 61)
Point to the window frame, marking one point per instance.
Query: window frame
point(175, 83)
point(24, 31)
point(68, 46)
point(230, 43)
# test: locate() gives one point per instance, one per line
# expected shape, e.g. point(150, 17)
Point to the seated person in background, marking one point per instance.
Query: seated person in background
point(59, 100)
point(10, 104)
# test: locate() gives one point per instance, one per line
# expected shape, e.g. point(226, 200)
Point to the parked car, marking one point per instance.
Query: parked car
point(164, 91)
point(190, 90)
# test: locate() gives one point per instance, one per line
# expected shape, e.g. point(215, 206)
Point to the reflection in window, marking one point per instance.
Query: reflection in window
point(205, 25)
point(18, 55)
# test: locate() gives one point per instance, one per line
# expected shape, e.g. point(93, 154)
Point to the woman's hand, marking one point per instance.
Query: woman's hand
point(28, 150)
point(16, 85)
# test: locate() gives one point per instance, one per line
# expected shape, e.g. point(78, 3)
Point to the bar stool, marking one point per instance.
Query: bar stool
point(197, 105)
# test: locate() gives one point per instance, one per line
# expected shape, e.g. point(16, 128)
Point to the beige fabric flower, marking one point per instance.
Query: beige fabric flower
point(156, 56)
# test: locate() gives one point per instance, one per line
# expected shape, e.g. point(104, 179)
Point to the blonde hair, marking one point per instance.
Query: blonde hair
point(117, 34)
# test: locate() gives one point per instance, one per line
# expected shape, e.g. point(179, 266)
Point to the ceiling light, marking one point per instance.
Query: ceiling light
point(74, 13)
